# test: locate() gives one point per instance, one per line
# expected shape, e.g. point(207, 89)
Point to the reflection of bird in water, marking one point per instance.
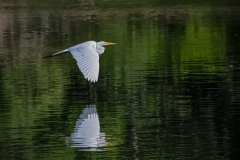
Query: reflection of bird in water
point(87, 57)
point(87, 130)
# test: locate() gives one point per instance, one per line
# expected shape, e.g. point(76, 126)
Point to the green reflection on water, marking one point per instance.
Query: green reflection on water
point(157, 48)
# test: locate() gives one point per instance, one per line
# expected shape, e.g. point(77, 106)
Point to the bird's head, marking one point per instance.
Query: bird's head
point(103, 43)
point(100, 48)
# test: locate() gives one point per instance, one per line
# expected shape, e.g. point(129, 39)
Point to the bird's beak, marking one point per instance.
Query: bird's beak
point(110, 43)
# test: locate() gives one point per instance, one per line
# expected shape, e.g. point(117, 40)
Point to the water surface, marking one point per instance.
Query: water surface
point(169, 89)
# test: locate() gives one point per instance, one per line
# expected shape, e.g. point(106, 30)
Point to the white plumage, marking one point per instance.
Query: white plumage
point(87, 56)
point(87, 130)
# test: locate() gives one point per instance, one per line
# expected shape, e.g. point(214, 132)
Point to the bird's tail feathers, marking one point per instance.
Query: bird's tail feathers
point(56, 54)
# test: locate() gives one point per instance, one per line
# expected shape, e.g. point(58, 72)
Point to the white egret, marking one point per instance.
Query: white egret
point(87, 57)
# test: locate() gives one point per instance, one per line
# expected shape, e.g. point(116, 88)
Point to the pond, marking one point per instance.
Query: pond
point(169, 89)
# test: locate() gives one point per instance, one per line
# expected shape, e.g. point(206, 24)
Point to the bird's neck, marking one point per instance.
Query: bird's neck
point(100, 49)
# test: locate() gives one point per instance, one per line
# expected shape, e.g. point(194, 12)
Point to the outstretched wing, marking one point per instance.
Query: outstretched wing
point(87, 60)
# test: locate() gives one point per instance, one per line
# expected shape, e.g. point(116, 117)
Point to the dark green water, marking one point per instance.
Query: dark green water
point(169, 89)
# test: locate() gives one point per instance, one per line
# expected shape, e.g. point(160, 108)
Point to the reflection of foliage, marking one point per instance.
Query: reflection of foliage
point(146, 82)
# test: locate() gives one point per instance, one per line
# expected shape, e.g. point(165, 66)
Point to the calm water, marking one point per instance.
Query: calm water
point(169, 89)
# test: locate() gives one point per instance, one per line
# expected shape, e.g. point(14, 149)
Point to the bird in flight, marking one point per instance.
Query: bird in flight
point(87, 56)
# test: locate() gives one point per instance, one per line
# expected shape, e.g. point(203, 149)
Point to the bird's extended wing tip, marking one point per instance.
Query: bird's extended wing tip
point(94, 80)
